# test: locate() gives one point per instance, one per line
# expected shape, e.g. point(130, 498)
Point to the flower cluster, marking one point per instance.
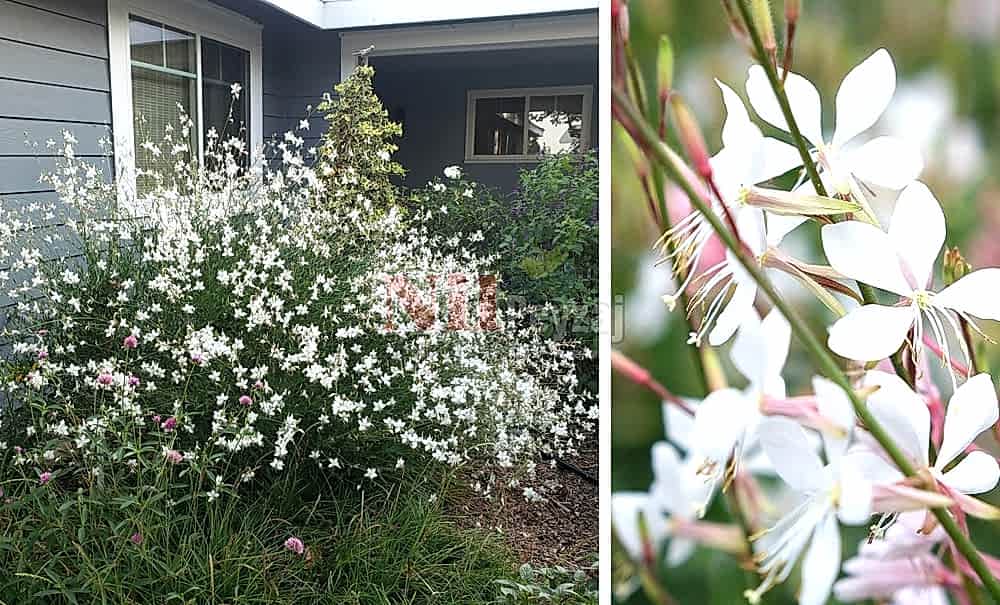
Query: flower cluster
point(229, 321)
point(881, 229)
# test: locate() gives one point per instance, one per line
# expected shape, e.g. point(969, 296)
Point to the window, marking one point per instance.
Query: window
point(521, 125)
point(187, 62)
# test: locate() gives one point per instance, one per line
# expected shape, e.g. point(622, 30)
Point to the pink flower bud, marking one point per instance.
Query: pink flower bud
point(136, 538)
point(245, 400)
point(130, 342)
point(44, 477)
point(105, 379)
point(169, 424)
point(43, 355)
point(174, 456)
point(133, 381)
point(691, 137)
point(295, 545)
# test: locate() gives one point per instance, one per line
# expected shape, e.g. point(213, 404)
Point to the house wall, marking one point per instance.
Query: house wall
point(428, 93)
point(53, 77)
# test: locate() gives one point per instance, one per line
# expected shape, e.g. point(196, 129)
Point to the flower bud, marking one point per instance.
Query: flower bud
point(793, 8)
point(765, 26)
point(665, 68)
point(955, 266)
point(796, 204)
point(691, 137)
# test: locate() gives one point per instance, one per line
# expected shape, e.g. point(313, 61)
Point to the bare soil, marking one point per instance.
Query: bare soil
point(563, 530)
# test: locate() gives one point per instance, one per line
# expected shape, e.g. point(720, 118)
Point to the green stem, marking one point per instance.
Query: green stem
point(778, 86)
point(670, 161)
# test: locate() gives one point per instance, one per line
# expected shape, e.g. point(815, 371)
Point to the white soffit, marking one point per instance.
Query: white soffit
point(354, 14)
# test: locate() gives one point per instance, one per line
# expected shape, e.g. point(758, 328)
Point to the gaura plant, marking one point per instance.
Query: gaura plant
point(874, 443)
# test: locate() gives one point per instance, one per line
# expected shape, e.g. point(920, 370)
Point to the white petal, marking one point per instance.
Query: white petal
point(854, 506)
point(901, 412)
point(678, 424)
point(625, 508)
point(976, 473)
point(870, 332)
point(802, 97)
point(885, 161)
point(863, 96)
point(833, 404)
point(821, 564)
point(873, 467)
point(761, 348)
point(752, 228)
point(680, 550)
point(739, 307)
point(719, 422)
point(792, 455)
point(667, 478)
point(975, 294)
point(774, 158)
point(917, 231)
point(971, 410)
point(780, 225)
point(737, 131)
point(866, 253)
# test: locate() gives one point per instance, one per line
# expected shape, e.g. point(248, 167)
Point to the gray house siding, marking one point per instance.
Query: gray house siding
point(428, 93)
point(53, 77)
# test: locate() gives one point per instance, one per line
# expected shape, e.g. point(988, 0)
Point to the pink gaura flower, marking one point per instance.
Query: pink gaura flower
point(44, 477)
point(259, 385)
point(105, 379)
point(43, 355)
point(174, 456)
point(136, 538)
point(245, 400)
point(133, 381)
point(295, 545)
point(130, 342)
point(169, 424)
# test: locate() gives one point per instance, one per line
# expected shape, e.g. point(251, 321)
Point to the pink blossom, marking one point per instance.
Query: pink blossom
point(44, 477)
point(133, 381)
point(259, 385)
point(156, 419)
point(197, 359)
point(136, 538)
point(130, 342)
point(43, 355)
point(245, 400)
point(169, 424)
point(174, 456)
point(105, 379)
point(295, 545)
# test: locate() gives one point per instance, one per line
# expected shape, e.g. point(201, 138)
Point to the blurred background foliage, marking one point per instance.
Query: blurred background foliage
point(946, 101)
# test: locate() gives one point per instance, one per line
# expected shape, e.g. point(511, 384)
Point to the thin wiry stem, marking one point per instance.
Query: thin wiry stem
point(661, 154)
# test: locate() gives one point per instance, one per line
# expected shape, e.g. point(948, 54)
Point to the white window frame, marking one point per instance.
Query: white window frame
point(199, 19)
point(470, 119)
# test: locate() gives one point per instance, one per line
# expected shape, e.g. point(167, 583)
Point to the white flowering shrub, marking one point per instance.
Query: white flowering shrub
point(229, 323)
point(873, 442)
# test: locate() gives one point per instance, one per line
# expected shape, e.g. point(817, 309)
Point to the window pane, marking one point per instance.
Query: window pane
point(555, 124)
point(179, 50)
point(156, 96)
point(499, 126)
point(221, 67)
point(146, 40)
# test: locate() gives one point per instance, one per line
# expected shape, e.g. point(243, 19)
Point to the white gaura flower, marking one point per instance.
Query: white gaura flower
point(836, 490)
point(863, 96)
point(898, 566)
point(746, 158)
point(905, 417)
point(902, 262)
point(723, 434)
point(670, 511)
point(626, 506)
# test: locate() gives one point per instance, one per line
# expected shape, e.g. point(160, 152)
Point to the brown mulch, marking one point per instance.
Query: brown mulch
point(563, 530)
